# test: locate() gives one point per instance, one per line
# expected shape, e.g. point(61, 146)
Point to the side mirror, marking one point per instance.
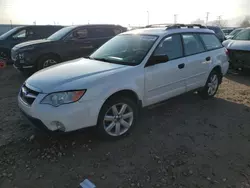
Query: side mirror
point(157, 59)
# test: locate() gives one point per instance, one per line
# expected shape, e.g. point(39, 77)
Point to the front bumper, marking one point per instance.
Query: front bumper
point(22, 66)
point(239, 58)
point(70, 117)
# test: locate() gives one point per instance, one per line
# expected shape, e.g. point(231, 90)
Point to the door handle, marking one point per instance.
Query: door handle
point(208, 58)
point(181, 66)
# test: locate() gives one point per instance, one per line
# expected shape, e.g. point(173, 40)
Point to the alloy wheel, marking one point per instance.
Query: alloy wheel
point(49, 62)
point(213, 84)
point(118, 119)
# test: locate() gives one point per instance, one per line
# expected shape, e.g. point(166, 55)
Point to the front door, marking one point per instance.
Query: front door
point(78, 44)
point(166, 79)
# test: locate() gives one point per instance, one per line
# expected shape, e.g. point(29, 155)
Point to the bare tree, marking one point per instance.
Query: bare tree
point(245, 22)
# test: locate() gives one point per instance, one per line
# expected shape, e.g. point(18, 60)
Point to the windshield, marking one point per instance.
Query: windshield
point(243, 35)
point(235, 32)
point(61, 33)
point(125, 49)
point(9, 33)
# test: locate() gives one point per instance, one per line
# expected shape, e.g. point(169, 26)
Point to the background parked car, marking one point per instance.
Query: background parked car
point(219, 33)
point(68, 43)
point(234, 33)
point(226, 31)
point(239, 49)
point(22, 34)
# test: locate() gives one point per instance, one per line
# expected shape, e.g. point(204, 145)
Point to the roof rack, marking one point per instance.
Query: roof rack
point(158, 25)
point(176, 26)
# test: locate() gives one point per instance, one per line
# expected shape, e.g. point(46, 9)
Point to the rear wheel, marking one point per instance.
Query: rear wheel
point(117, 117)
point(4, 54)
point(212, 85)
point(47, 61)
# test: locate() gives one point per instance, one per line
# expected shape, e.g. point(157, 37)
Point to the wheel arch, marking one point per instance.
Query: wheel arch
point(49, 54)
point(218, 69)
point(128, 93)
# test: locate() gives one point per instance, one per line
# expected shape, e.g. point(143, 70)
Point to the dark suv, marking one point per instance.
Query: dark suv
point(22, 34)
point(218, 32)
point(66, 44)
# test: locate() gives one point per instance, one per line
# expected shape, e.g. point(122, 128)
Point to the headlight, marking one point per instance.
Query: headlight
point(21, 56)
point(57, 99)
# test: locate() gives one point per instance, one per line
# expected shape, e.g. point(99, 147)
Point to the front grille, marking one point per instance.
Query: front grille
point(239, 56)
point(28, 95)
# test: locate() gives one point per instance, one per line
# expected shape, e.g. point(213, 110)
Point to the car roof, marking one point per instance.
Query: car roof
point(97, 25)
point(162, 31)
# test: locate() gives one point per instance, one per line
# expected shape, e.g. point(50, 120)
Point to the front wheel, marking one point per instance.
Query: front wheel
point(47, 61)
point(212, 85)
point(117, 117)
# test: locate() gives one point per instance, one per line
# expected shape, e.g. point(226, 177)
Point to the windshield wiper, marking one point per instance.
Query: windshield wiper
point(99, 59)
point(109, 61)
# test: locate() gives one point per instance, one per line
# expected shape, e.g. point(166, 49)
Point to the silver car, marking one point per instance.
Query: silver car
point(239, 49)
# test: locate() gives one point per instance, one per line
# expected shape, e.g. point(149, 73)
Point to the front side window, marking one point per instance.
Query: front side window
point(243, 35)
point(170, 46)
point(210, 41)
point(129, 49)
point(81, 34)
point(20, 34)
point(192, 44)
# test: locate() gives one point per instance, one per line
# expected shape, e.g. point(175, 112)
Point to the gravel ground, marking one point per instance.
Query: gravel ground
point(185, 142)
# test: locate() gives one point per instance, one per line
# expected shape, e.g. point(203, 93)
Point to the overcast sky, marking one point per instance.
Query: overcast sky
point(126, 12)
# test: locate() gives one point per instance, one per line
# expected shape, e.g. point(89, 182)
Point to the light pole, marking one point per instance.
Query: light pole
point(148, 17)
point(175, 18)
point(207, 17)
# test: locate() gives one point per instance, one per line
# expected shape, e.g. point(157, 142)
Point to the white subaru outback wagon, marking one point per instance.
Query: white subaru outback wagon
point(135, 69)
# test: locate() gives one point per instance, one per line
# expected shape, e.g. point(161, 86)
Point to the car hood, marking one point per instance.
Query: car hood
point(72, 75)
point(31, 43)
point(237, 45)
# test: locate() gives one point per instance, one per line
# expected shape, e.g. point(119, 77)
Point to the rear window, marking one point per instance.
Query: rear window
point(210, 41)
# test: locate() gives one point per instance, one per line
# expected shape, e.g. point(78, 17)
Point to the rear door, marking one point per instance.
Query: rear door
point(197, 61)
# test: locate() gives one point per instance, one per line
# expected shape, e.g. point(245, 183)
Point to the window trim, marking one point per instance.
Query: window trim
point(203, 43)
point(197, 33)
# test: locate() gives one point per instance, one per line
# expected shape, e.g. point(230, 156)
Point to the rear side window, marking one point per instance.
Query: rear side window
point(101, 32)
point(192, 44)
point(210, 41)
point(170, 46)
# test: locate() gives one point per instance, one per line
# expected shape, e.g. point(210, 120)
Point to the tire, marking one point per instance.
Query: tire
point(47, 61)
point(212, 85)
point(4, 55)
point(113, 126)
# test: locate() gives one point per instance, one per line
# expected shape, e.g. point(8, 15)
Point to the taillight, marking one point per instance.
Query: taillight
point(226, 51)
